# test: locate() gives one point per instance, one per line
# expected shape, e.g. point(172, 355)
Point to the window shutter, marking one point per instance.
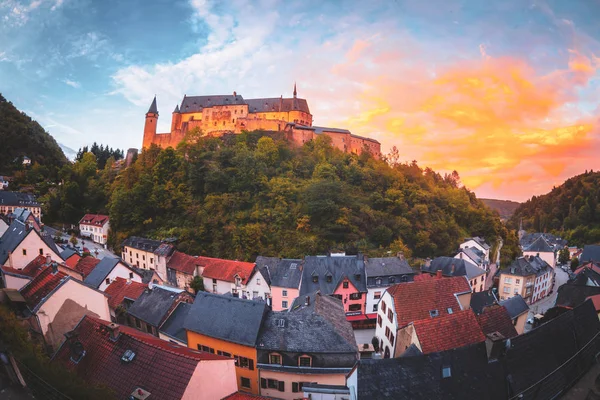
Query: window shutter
point(281, 386)
point(251, 364)
point(263, 383)
point(295, 387)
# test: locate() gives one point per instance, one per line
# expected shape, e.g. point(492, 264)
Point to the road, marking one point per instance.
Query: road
point(97, 250)
point(540, 307)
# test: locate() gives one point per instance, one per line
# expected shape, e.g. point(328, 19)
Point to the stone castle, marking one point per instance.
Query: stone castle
point(222, 114)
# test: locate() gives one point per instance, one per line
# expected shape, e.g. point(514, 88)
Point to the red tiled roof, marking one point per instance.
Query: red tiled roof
point(73, 260)
point(183, 263)
point(225, 270)
point(245, 396)
point(160, 367)
point(119, 289)
point(94, 219)
point(41, 286)
point(86, 265)
point(31, 269)
point(414, 300)
point(496, 319)
point(594, 266)
point(448, 331)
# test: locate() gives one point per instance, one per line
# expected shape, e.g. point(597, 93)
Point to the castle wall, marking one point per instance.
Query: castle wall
point(339, 140)
point(300, 136)
point(253, 124)
point(164, 140)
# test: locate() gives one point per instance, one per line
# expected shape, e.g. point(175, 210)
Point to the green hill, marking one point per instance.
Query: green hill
point(21, 136)
point(505, 208)
point(570, 210)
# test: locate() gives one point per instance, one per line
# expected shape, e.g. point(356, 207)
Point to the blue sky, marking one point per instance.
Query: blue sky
point(506, 92)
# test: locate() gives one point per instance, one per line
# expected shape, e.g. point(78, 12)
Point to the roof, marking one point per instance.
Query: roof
point(227, 318)
point(474, 254)
point(68, 252)
point(527, 266)
point(420, 377)
point(590, 265)
point(286, 273)
point(226, 270)
point(11, 239)
point(140, 243)
point(183, 263)
point(480, 241)
point(267, 265)
point(153, 108)
point(319, 327)
point(191, 104)
point(101, 271)
point(245, 396)
point(572, 294)
point(31, 270)
point(479, 300)
point(591, 252)
point(414, 300)
point(153, 305)
point(17, 199)
point(515, 306)
point(387, 266)
point(495, 319)
point(121, 289)
point(160, 367)
point(528, 238)
point(412, 351)
point(39, 289)
point(94, 219)
point(453, 267)
point(86, 265)
point(448, 331)
point(321, 129)
point(331, 271)
point(540, 245)
point(173, 326)
point(277, 104)
point(164, 250)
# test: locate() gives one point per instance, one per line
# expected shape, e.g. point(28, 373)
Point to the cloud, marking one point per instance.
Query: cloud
point(71, 83)
point(17, 13)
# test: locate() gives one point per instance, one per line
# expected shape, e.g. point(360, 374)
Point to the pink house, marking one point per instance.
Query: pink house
point(284, 276)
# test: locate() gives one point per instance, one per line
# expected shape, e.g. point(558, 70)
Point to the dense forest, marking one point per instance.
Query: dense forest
point(571, 210)
point(21, 136)
point(101, 153)
point(243, 195)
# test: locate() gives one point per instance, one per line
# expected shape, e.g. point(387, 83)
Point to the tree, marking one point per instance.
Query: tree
point(564, 255)
point(574, 263)
point(73, 240)
point(197, 284)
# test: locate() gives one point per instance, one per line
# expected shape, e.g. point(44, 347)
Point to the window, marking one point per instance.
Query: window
point(387, 332)
point(258, 281)
point(356, 296)
point(131, 275)
point(284, 304)
point(392, 338)
point(517, 281)
point(516, 291)
point(254, 294)
point(433, 313)
point(24, 252)
point(275, 359)
point(148, 328)
point(374, 307)
point(284, 293)
point(392, 279)
point(245, 382)
point(243, 362)
point(137, 255)
point(379, 320)
point(345, 285)
point(108, 281)
point(143, 257)
point(223, 353)
point(138, 323)
point(390, 315)
point(377, 295)
point(151, 260)
point(206, 349)
point(329, 278)
point(315, 279)
point(271, 383)
point(357, 277)
point(446, 372)
point(506, 290)
point(378, 281)
point(508, 280)
point(214, 281)
point(41, 252)
point(383, 307)
point(304, 361)
point(449, 309)
point(354, 307)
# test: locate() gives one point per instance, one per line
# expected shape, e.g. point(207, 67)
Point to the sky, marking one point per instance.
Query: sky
point(504, 92)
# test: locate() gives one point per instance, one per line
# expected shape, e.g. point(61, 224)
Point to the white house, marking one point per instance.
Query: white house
point(540, 247)
point(478, 243)
point(227, 276)
point(257, 287)
point(381, 274)
point(21, 244)
point(109, 269)
point(147, 254)
point(95, 226)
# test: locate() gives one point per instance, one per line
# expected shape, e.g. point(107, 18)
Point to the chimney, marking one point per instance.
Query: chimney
point(48, 258)
point(128, 281)
point(307, 301)
point(114, 331)
point(461, 255)
point(438, 274)
point(234, 94)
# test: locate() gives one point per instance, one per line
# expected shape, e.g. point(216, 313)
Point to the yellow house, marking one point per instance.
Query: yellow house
point(228, 326)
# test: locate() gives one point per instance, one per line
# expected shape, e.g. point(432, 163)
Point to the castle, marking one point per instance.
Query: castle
point(221, 114)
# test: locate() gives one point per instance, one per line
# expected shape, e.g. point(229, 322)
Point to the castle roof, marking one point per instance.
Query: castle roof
point(192, 104)
point(176, 109)
point(153, 108)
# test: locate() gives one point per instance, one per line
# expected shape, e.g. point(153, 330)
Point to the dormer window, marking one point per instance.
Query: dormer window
point(305, 361)
point(345, 285)
point(434, 313)
point(446, 372)
point(392, 279)
point(329, 278)
point(275, 359)
point(378, 281)
point(315, 279)
point(449, 310)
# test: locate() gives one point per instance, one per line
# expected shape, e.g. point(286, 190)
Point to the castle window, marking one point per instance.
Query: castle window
point(223, 123)
point(233, 121)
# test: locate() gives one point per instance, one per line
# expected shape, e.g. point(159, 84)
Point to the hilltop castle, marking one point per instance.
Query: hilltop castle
point(221, 114)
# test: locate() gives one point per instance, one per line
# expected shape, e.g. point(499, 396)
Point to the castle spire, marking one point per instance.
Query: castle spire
point(153, 109)
point(176, 109)
point(295, 92)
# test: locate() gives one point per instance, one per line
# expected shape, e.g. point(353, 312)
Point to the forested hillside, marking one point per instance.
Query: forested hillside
point(570, 210)
point(21, 136)
point(250, 194)
point(505, 208)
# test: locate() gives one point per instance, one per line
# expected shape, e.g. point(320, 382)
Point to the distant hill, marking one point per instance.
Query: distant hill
point(69, 152)
point(571, 210)
point(505, 208)
point(22, 136)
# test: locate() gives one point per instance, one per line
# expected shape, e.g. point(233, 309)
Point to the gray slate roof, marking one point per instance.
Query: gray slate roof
point(474, 254)
point(320, 327)
point(527, 266)
point(479, 300)
point(553, 240)
point(13, 236)
point(266, 265)
point(540, 245)
point(153, 305)
point(140, 243)
point(591, 252)
point(228, 318)
point(387, 266)
point(173, 326)
point(68, 252)
point(515, 306)
point(101, 271)
point(335, 267)
point(452, 267)
point(277, 104)
point(287, 273)
point(480, 241)
point(17, 199)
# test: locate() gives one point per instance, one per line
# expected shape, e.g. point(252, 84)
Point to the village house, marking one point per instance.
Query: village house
point(591, 252)
point(54, 302)
point(4, 182)
point(528, 276)
point(479, 245)
point(136, 365)
point(85, 265)
point(152, 308)
point(480, 300)
point(17, 278)
point(423, 299)
point(71, 257)
point(541, 248)
point(9, 201)
point(147, 254)
point(518, 310)
point(95, 226)
point(121, 294)
point(585, 285)
point(21, 243)
point(181, 269)
point(381, 274)
point(495, 323)
point(474, 256)
point(457, 267)
point(284, 277)
point(340, 276)
point(26, 217)
point(229, 276)
point(107, 270)
point(312, 343)
point(173, 329)
point(228, 326)
point(3, 225)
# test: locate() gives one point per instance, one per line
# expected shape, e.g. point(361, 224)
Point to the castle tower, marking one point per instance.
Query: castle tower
point(150, 125)
point(176, 119)
point(295, 92)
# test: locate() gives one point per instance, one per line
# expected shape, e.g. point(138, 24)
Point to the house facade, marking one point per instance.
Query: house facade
point(109, 269)
point(20, 244)
point(12, 278)
point(479, 244)
point(147, 254)
point(284, 277)
point(9, 201)
point(227, 276)
point(181, 269)
point(541, 248)
point(382, 273)
point(95, 226)
point(450, 266)
point(529, 276)
point(518, 310)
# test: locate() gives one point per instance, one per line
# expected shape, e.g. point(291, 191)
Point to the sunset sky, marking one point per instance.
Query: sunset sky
point(506, 94)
